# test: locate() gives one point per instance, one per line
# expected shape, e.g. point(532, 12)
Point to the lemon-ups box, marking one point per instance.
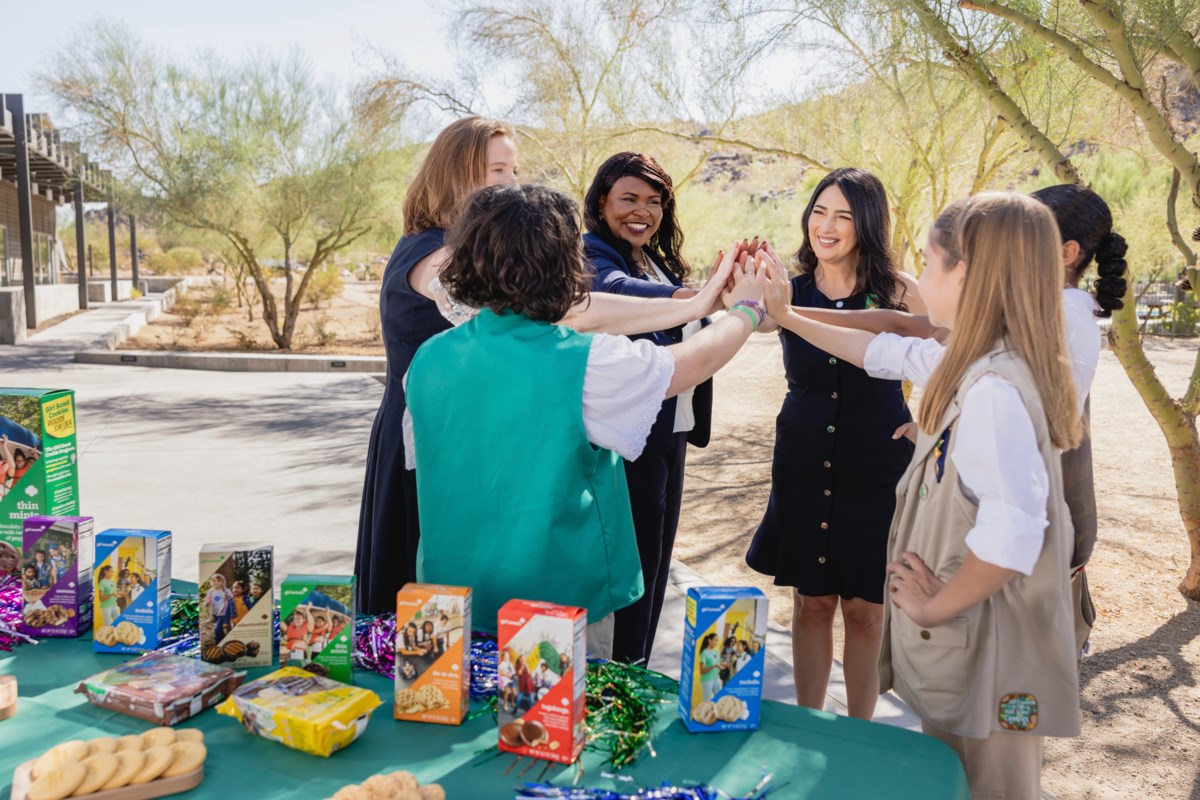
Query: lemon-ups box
point(56, 576)
point(316, 613)
point(724, 653)
point(237, 623)
point(541, 675)
point(131, 583)
point(38, 470)
point(433, 648)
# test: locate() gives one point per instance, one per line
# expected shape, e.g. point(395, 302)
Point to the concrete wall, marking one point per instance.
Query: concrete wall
point(12, 315)
point(54, 300)
point(100, 291)
point(157, 283)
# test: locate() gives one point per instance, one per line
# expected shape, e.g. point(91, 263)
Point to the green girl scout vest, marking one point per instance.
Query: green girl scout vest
point(514, 501)
point(1010, 662)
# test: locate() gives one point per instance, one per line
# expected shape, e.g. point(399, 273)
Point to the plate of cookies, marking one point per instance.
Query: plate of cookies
point(398, 785)
point(159, 762)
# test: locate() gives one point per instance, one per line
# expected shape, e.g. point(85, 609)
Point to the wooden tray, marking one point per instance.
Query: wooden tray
point(161, 787)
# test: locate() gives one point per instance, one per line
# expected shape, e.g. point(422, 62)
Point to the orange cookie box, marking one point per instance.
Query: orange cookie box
point(433, 646)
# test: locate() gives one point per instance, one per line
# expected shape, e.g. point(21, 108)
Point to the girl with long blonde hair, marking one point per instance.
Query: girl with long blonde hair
point(978, 636)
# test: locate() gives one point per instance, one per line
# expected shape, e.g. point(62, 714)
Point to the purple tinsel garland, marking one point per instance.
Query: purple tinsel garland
point(375, 650)
point(10, 613)
point(664, 791)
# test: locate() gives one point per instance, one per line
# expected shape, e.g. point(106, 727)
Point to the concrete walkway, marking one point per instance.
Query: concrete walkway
point(270, 456)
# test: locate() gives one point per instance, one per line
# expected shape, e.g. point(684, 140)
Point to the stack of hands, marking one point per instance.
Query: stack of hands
point(748, 270)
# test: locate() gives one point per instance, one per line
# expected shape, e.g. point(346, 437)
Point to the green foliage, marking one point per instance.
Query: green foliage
point(25, 411)
point(220, 300)
point(185, 260)
point(324, 285)
point(322, 330)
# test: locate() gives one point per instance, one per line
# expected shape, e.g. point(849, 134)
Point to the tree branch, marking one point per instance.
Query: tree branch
point(729, 142)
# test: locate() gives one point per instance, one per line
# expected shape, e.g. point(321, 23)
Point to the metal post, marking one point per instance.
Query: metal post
point(133, 250)
point(112, 242)
point(16, 104)
point(80, 254)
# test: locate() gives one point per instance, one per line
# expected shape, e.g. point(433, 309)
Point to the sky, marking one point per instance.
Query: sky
point(340, 38)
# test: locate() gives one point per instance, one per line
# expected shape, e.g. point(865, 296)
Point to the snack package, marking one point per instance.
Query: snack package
point(433, 649)
point(236, 599)
point(303, 711)
point(37, 427)
point(316, 615)
point(541, 674)
point(724, 653)
point(132, 584)
point(56, 576)
point(160, 688)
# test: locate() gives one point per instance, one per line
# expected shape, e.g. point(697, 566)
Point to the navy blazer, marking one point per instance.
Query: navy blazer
point(611, 273)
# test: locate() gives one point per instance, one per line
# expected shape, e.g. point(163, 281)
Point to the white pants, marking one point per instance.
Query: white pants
point(110, 614)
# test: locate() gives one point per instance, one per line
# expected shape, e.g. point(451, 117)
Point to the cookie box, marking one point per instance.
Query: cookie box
point(724, 653)
point(236, 602)
point(433, 649)
point(160, 688)
point(56, 576)
point(541, 671)
point(317, 624)
point(131, 582)
point(303, 711)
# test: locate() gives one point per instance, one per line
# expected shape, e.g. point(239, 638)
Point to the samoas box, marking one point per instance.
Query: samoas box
point(433, 653)
point(236, 604)
point(724, 655)
point(131, 580)
point(56, 576)
point(317, 615)
point(39, 476)
point(541, 671)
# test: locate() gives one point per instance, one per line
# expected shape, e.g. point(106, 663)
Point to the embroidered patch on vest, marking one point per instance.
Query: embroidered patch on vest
point(1018, 712)
point(939, 454)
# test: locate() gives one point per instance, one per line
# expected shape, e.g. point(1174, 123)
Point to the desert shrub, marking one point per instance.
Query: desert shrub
point(322, 330)
point(325, 284)
point(220, 301)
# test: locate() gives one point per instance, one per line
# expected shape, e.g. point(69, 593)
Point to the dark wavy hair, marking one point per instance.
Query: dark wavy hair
point(1084, 218)
point(878, 273)
point(518, 248)
point(666, 245)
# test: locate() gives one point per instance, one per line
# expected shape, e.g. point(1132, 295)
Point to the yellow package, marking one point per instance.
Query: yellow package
point(301, 710)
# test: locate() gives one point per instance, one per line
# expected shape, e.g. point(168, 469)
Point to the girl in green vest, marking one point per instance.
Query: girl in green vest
point(519, 425)
point(979, 636)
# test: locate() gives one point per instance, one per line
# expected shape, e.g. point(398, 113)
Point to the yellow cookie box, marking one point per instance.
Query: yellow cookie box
point(301, 710)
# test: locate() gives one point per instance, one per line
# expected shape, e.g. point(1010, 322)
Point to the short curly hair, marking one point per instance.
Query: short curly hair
point(518, 249)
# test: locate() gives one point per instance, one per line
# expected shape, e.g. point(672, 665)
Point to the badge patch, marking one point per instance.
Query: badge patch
point(1018, 712)
point(939, 454)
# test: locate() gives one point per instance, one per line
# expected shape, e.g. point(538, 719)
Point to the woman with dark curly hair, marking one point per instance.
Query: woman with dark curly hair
point(519, 425)
point(836, 465)
point(634, 247)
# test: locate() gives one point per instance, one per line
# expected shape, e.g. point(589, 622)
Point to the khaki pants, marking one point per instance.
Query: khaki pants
point(1085, 612)
point(1005, 766)
point(600, 638)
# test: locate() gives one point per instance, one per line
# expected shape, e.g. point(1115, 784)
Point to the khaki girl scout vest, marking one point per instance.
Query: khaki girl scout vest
point(1010, 662)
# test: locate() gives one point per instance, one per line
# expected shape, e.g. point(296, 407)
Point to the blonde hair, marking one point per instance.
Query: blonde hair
point(1012, 292)
point(454, 167)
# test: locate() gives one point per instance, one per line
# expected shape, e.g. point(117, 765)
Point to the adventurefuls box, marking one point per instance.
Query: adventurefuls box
point(236, 604)
point(316, 613)
point(38, 470)
point(433, 647)
point(541, 676)
point(132, 584)
point(56, 576)
point(724, 652)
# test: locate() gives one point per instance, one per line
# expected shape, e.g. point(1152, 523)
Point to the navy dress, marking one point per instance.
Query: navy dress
point(835, 469)
point(388, 531)
point(655, 479)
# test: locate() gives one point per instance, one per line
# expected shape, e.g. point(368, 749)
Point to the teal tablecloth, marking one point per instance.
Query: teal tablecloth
point(817, 755)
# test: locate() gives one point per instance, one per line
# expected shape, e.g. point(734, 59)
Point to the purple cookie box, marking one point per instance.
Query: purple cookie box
point(73, 588)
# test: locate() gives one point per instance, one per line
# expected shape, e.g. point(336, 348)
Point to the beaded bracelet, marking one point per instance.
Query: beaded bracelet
point(757, 306)
point(749, 312)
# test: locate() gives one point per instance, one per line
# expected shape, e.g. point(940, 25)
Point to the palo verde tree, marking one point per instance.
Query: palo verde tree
point(259, 154)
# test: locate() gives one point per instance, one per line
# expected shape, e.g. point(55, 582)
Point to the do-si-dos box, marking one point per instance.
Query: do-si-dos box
point(236, 604)
point(38, 469)
point(56, 576)
point(541, 674)
point(131, 581)
point(724, 652)
point(317, 622)
point(433, 648)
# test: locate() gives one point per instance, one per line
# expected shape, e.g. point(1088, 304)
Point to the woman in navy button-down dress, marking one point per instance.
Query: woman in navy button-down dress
point(836, 465)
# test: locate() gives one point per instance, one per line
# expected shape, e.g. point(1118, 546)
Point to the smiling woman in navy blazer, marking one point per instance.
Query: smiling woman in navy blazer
point(633, 248)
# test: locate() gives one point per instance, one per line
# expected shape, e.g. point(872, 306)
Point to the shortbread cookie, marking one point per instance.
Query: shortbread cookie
point(157, 760)
point(59, 782)
point(70, 752)
point(705, 713)
point(129, 763)
point(729, 708)
point(158, 737)
point(100, 769)
point(105, 744)
point(188, 756)
point(189, 735)
point(130, 742)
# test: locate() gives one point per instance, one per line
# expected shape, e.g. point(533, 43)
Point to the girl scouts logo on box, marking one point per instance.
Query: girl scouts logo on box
point(58, 417)
point(1018, 712)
